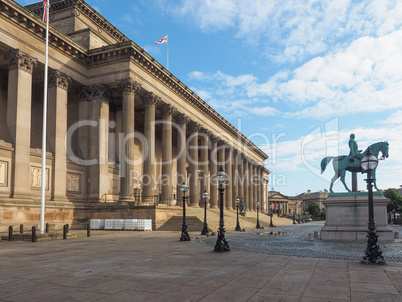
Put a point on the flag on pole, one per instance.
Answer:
(163, 40)
(44, 11)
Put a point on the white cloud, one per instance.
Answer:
(294, 30)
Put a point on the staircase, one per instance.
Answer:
(194, 224)
(195, 218)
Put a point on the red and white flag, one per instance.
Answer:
(163, 40)
(44, 14)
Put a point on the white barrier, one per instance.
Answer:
(97, 224)
(109, 224)
(121, 224)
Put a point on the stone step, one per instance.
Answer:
(194, 224)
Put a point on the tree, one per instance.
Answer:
(395, 198)
(314, 209)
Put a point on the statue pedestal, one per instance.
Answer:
(347, 217)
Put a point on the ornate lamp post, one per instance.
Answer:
(238, 228)
(258, 218)
(221, 243)
(298, 216)
(271, 207)
(294, 216)
(205, 230)
(184, 234)
(393, 212)
(373, 253)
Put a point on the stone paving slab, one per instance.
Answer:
(156, 266)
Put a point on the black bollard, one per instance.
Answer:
(47, 228)
(65, 231)
(21, 229)
(34, 234)
(10, 233)
(88, 230)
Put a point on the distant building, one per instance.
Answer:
(309, 197)
(284, 205)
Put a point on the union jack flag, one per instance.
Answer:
(44, 15)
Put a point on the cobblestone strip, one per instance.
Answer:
(292, 240)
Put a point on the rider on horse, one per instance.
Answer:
(355, 154)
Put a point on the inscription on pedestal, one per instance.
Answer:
(73, 183)
(3, 173)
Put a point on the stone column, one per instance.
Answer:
(19, 119)
(250, 187)
(262, 189)
(204, 163)
(167, 158)
(150, 100)
(235, 182)
(192, 145)
(246, 184)
(229, 183)
(126, 151)
(98, 164)
(213, 169)
(241, 176)
(181, 121)
(255, 186)
(56, 131)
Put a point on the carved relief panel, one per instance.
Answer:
(36, 178)
(73, 183)
(3, 173)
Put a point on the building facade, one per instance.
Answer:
(283, 205)
(122, 131)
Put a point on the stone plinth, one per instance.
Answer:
(347, 217)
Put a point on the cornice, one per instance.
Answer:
(21, 16)
(85, 9)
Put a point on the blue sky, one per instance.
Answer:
(296, 77)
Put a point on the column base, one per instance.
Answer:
(126, 199)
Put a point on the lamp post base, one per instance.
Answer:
(205, 230)
(221, 243)
(238, 228)
(373, 253)
(184, 235)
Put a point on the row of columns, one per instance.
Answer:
(245, 177)
(19, 97)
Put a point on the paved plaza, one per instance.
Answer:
(156, 266)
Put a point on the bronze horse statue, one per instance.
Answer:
(343, 163)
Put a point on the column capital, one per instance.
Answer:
(59, 79)
(128, 86)
(150, 99)
(205, 133)
(181, 118)
(19, 59)
(213, 138)
(166, 109)
(97, 91)
(193, 126)
(221, 142)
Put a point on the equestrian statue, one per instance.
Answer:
(352, 161)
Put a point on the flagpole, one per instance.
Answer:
(43, 179)
(167, 51)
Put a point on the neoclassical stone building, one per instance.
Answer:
(123, 132)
